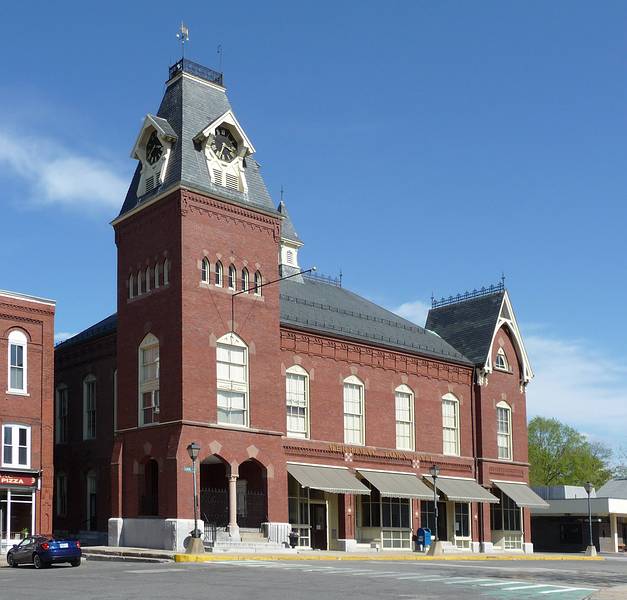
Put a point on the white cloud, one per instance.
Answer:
(413, 311)
(62, 336)
(57, 175)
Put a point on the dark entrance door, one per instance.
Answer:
(442, 522)
(318, 522)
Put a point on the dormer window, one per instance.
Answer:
(501, 361)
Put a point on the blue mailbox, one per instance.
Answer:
(424, 537)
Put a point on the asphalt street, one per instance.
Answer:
(296, 580)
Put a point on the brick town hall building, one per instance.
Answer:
(314, 408)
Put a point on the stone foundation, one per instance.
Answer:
(159, 534)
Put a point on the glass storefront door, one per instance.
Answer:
(17, 517)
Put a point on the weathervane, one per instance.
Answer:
(183, 35)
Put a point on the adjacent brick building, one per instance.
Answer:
(314, 408)
(26, 415)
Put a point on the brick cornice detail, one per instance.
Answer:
(20, 308)
(315, 345)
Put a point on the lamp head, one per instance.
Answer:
(434, 470)
(588, 487)
(193, 449)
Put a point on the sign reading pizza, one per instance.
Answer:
(15, 479)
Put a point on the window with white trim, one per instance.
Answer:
(16, 446)
(232, 372)
(18, 344)
(504, 431)
(140, 283)
(157, 275)
(61, 495)
(501, 363)
(404, 405)
(61, 415)
(204, 271)
(245, 284)
(219, 274)
(450, 425)
(149, 380)
(232, 277)
(353, 411)
(297, 402)
(258, 283)
(89, 408)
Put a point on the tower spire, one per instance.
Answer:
(183, 35)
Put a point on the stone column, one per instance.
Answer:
(233, 526)
(613, 533)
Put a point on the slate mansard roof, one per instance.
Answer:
(189, 105)
(325, 308)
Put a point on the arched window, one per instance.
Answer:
(353, 411)
(504, 431)
(297, 402)
(149, 380)
(131, 285)
(140, 283)
(258, 283)
(204, 271)
(61, 415)
(501, 362)
(245, 284)
(148, 279)
(157, 275)
(89, 408)
(404, 404)
(18, 362)
(219, 274)
(166, 272)
(232, 277)
(232, 372)
(450, 425)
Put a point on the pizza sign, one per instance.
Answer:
(16, 479)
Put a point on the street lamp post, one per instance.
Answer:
(435, 544)
(591, 549)
(195, 546)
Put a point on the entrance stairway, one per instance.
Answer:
(251, 541)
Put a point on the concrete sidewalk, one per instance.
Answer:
(613, 593)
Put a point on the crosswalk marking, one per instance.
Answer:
(526, 587)
(499, 583)
(568, 589)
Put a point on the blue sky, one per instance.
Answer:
(423, 146)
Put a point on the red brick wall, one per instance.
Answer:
(36, 320)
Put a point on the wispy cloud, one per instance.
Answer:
(413, 311)
(62, 336)
(57, 175)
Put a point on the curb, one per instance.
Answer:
(123, 558)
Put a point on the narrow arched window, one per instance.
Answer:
(258, 283)
(18, 362)
(404, 406)
(157, 275)
(149, 380)
(450, 425)
(89, 408)
(219, 276)
(166, 272)
(297, 402)
(504, 431)
(232, 375)
(501, 362)
(232, 277)
(91, 493)
(148, 278)
(131, 285)
(62, 412)
(140, 283)
(245, 284)
(353, 411)
(204, 271)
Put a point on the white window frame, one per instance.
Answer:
(157, 274)
(140, 282)
(18, 339)
(205, 270)
(258, 283)
(351, 383)
(232, 278)
(450, 399)
(502, 358)
(86, 434)
(61, 495)
(15, 445)
(405, 391)
(229, 385)
(166, 272)
(219, 274)
(148, 387)
(297, 371)
(62, 418)
(245, 280)
(503, 406)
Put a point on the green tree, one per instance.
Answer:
(560, 455)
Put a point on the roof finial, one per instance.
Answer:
(220, 57)
(183, 35)
(281, 192)
(503, 279)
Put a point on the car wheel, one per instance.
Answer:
(11, 560)
(76, 563)
(39, 564)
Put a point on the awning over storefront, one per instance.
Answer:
(463, 490)
(522, 494)
(398, 485)
(327, 479)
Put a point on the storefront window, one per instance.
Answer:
(298, 507)
(462, 520)
(505, 516)
(371, 507)
(16, 520)
(395, 512)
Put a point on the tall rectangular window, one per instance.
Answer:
(297, 404)
(89, 408)
(232, 375)
(16, 446)
(62, 416)
(149, 380)
(353, 412)
(404, 420)
(61, 495)
(450, 426)
(92, 496)
(504, 432)
(17, 362)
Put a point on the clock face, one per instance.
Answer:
(224, 145)
(154, 149)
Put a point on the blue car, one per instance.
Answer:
(41, 551)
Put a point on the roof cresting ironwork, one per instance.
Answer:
(484, 291)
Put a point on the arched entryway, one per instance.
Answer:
(214, 491)
(252, 494)
(149, 495)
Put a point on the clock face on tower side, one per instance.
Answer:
(154, 149)
(224, 145)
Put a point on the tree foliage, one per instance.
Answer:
(560, 455)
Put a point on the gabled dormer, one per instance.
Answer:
(152, 149)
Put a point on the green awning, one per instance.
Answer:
(462, 490)
(327, 479)
(398, 485)
(522, 494)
